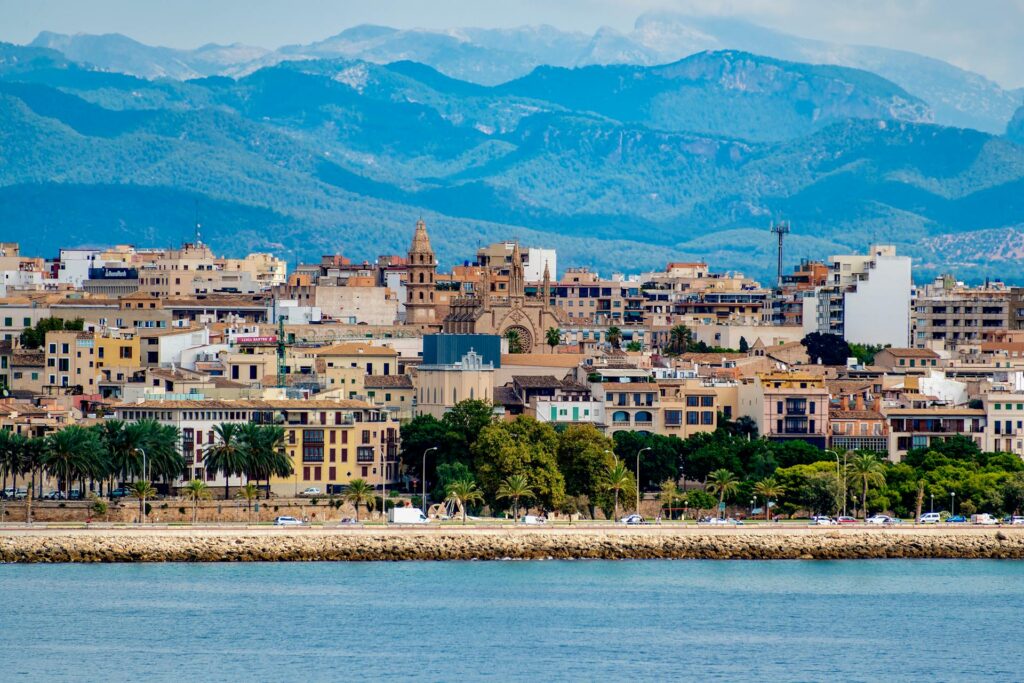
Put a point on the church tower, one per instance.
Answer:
(420, 308)
(516, 276)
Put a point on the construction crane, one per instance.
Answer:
(780, 229)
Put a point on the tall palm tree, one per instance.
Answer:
(249, 493)
(464, 492)
(195, 491)
(264, 451)
(618, 479)
(359, 492)
(553, 337)
(226, 454)
(614, 336)
(513, 488)
(724, 483)
(680, 338)
(769, 488)
(71, 453)
(870, 471)
(142, 490)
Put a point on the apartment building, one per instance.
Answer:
(329, 442)
(858, 425)
(787, 405)
(953, 314)
(921, 427)
(1004, 422)
(688, 407)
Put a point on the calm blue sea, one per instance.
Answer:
(896, 620)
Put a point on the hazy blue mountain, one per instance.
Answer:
(727, 93)
(116, 52)
(1015, 129)
(322, 156)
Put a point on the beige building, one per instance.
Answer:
(439, 387)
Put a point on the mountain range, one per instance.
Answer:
(493, 56)
(618, 166)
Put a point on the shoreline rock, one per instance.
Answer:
(96, 546)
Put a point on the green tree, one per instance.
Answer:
(263, 453)
(359, 492)
(463, 425)
(248, 493)
(680, 338)
(584, 455)
(515, 342)
(227, 454)
(614, 336)
(744, 346)
(523, 446)
(465, 493)
(830, 349)
(514, 488)
(634, 346)
(35, 337)
(419, 434)
(769, 489)
(659, 462)
(722, 483)
(868, 470)
(195, 491)
(553, 337)
(618, 479)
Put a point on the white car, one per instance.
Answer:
(930, 518)
(822, 521)
(310, 492)
(633, 519)
(533, 519)
(287, 521)
(880, 519)
(1016, 520)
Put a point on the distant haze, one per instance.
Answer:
(984, 37)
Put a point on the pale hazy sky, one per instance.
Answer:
(986, 36)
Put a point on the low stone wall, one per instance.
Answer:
(398, 544)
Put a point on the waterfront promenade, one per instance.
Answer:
(242, 544)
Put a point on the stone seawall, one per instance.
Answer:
(394, 544)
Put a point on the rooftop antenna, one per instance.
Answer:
(780, 229)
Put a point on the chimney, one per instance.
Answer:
(860, 402)
(844, 402)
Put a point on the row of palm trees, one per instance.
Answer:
(248, 450)
(866, 469)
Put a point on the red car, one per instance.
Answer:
(846, 520)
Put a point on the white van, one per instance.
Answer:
(405, 515)
(984, 518)
(929, 518)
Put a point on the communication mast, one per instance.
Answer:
(780, 229)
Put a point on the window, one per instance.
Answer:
(673, 418)
(252, 372)
(692, 401)
(364, 454)
(8, 322)
(692, 417)
(126, 352)
(707, 417)
(707, 401)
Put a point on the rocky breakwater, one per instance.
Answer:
(391, 545)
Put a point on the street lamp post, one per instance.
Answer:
(638, 477)
(145, 474)
(423, 475)
(839, 478)
(952, 503)
(933, 503)
(753, 501)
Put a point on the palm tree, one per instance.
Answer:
(513, 488)
(265, 456)
(553, 337)
(249, 493)
(142, 490)
(618, 478)
(680, 338)
(359, 492)
(515, 342)
(195, 491)
(869, 470)
(614, 336)
(724, 483)
(667, 495)
(464, 492)
(226, 454)
(71, 453)
(768, 488)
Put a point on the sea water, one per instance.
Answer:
(888, 620)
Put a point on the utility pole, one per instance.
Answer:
(780, 229)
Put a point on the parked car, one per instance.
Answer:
(53, 494)
(310, 492)
(15, 494)
(822, 521)
(533, 519)
(349, 521)
(879, 519)
(1016, 520)
(121, 492)
(846, 520)
(929, 518)
(633, 519)
(958, 519)
(984, 518)
(287, 521)
(406, 515)
(719, 521)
